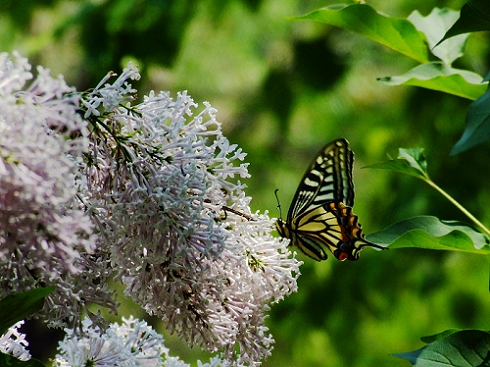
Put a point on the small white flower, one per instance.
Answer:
(13, 342)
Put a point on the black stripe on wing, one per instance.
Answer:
(329, 177)
(316, 229)
(332, 225)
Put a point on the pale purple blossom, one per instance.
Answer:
(39, 216)
(149, 194)
(45, 235)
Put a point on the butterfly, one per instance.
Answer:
(321, 212)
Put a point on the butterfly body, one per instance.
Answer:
(321, 213)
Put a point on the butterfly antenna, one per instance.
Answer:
(278, 207)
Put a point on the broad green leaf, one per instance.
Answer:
(477, 128)
(475, 17)
(434, 26)
(410, 161)
(17, 307)
(439, 336)
(432, 233)
(415, 158)
(467, 348)
(7, 360)
(440, 77)
(398, 34)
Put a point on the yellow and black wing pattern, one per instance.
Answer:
(321, 213)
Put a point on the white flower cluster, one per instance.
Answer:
(148, 194)
(132, 343)
(44, 233)
(161, 184)
(13, 342)
(38, 216)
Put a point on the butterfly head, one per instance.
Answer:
(282, 228)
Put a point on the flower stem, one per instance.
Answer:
(458, 205)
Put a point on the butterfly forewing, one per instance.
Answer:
(329, 177)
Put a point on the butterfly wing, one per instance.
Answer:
(332, 225)
(328, 178)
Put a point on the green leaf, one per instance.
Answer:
(432, 233)
(487, 77)
(6, 360)
(475, 17)
(439, 336)
(398, 34)
(467, 348)
(410, 161)
(17, 307)
(477, 128)
(434, 26)
(440, 77)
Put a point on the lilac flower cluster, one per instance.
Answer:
(45, 235)
(95, 186)
(133, 343)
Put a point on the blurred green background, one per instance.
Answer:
(283, 90)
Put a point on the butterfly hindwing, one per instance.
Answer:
(321, 212)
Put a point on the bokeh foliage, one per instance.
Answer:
(283, 90)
